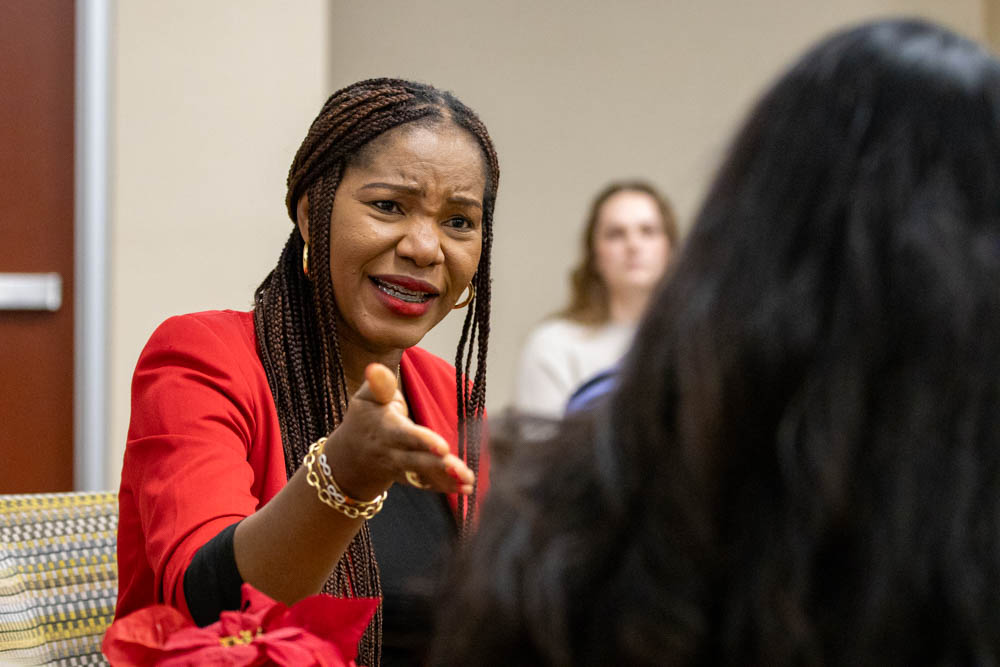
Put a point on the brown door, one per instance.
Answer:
(36, 237)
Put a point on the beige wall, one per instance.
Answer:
(214, 97)
(212, 100)
(991, 22)
(577, 93)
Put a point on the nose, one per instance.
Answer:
(421, 242)
(633, 240)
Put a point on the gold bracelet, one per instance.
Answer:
(328, 491)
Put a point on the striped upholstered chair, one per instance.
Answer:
(58, 577)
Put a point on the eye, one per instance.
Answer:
(386, 206)
(459, 222)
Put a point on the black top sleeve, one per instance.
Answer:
(212, 583)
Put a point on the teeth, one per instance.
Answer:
(402, 293)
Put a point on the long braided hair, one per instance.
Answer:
(295, 316)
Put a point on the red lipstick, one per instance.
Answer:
(403, 295)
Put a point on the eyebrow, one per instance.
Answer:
(412, 190)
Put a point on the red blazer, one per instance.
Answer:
(204, 446)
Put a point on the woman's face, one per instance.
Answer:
(406, 233)
(631, 248)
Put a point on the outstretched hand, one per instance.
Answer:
(378, 443)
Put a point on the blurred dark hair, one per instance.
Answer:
(801, 464)
(589, 298)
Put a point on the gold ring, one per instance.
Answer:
(414, 480)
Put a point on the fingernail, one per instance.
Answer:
(458, 476)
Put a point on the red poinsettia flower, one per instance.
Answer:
(319, 630)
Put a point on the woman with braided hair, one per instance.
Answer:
(308, 445)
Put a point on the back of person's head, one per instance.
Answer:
(801, 464)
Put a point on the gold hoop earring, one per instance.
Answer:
(305, 259)
(472, 295)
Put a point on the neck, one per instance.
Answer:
(356, 358)
(627, 306)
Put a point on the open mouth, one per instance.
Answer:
(403, 293)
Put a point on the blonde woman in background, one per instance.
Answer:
(627, 242)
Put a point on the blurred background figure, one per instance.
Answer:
(627, 242)
(801, 462)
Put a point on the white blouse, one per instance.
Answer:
(558, 356)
